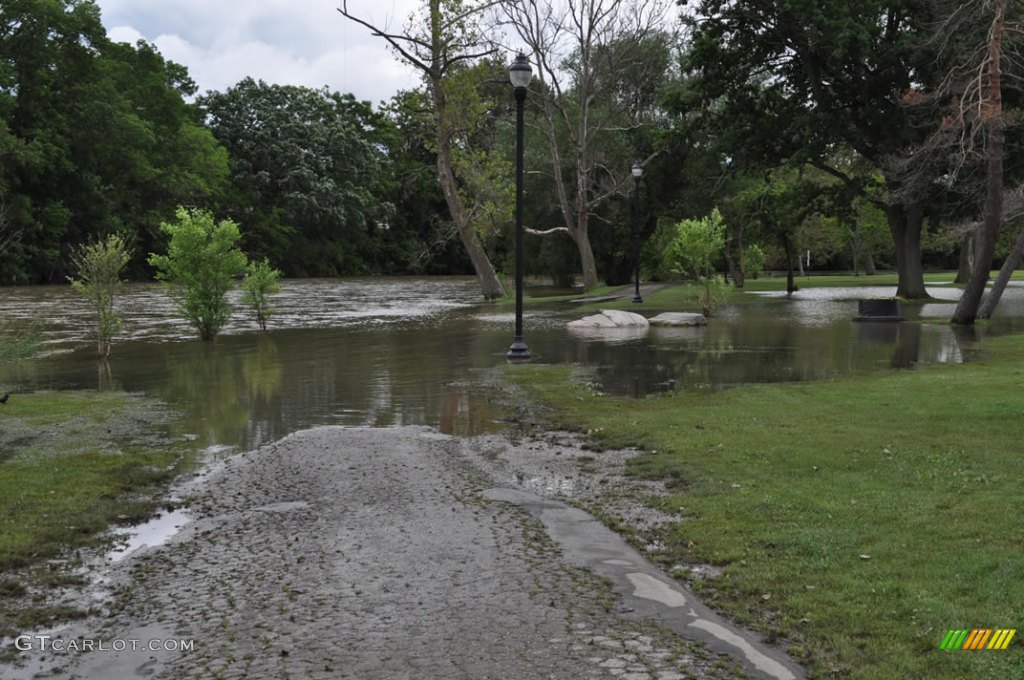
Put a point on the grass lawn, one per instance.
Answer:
(71, 465)
(837, 280)
(856, 521)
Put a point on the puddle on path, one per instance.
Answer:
(156, 531)
(164, 526)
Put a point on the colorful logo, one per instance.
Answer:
(979, 638)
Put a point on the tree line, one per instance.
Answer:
(863, 134)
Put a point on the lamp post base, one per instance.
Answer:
(637, 298)
(518, 350)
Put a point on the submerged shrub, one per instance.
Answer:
(200, 265)
(99, 266)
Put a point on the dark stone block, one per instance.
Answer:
(882, 309)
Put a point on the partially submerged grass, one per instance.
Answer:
(684, 297)
(73, 467)
(778, 283)
(857, 520)
(74, 463)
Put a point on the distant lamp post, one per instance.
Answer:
(519, 72)
(638, 173)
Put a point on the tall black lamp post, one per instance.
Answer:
(519, 72)
(638, 173)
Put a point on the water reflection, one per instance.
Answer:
(388, 352)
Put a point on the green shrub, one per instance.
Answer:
(99, 266)
(200, 265)
(753, 261)
(693, 252)
(261, 280)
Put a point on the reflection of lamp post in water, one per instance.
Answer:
(519, 72)
(638, 172)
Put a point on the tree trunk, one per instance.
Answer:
(991, 299)
(963, 272)
(581, 232)
(992, 119)
(490, 285)
(905, 224)
(869, 263)
(444, 50)
(788, 249)
(737, 266)
(582, 239)
(855, 245)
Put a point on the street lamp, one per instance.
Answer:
(519, 72)
(638, 173)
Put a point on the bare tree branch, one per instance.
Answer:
(433, 47)
(577, 45)
(396, 40)
(545, 232)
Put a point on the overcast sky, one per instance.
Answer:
(294, 42)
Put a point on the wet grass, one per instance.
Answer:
(856, 520)
(73, 465)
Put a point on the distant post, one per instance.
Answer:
(638, 173)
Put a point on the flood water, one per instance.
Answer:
(400, 351)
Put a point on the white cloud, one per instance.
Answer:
(295, 42)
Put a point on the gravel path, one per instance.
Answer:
(368, 553)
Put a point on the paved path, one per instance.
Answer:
(362, 553)
(624, 292)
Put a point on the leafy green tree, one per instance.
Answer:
(95, 137)
(478, 115)
(693, 252)
(478, 111)
(47, 53)
(200, 265)
(260, 282)
(753, 260)
(779, 203)
(175, 160)
(419, 237)
(792, 80)
(305, 171)
(99, 266)
(446, 36)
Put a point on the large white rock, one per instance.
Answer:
(679, 319)
(611, 318)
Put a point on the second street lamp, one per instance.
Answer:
(638, 173)
(519, 72)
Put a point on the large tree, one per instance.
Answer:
(978, 46)
(796, 80)
(305, 167)
(95, 137)
(418, 238)
(594, 82)
(445, 37)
